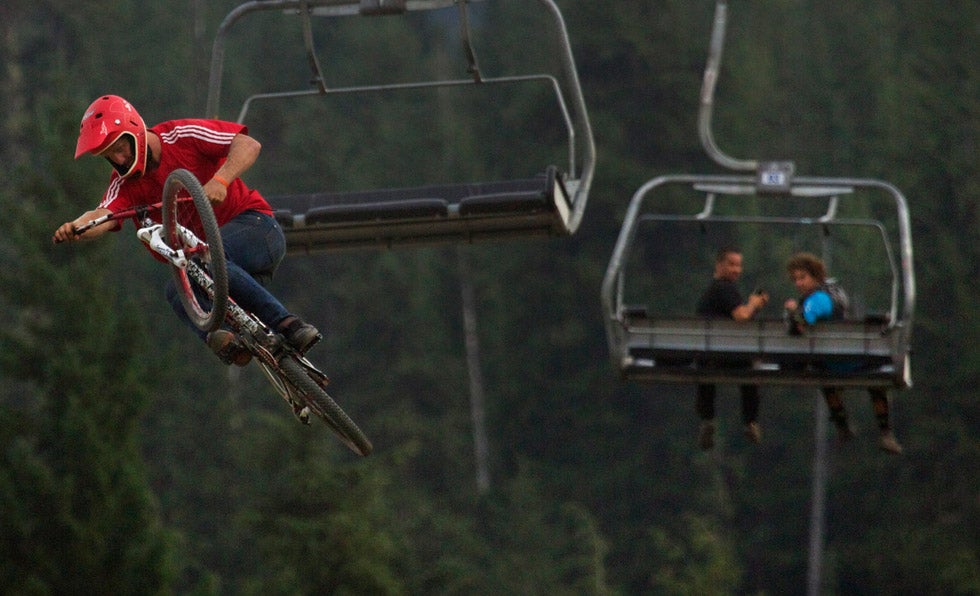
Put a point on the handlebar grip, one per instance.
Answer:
(79, 230)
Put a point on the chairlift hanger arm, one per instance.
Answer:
(464, 34)
(304, 11)
(711, 71)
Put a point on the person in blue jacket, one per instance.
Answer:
(809, 275)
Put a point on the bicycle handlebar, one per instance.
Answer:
(79, 230)
(142, 209)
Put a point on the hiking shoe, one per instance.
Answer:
(753, 432)
(301, 336)
(889, 443)
(706, 435)
(228, 347)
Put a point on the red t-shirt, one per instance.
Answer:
(197, 145)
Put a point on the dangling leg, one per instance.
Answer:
(706, 412)
(879, 402)
(750, 412)
(835, 403)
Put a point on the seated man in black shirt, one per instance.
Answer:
(722, 299)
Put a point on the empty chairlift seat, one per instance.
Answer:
(425, 214)
(546, 201)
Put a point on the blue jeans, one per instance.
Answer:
(254, 246)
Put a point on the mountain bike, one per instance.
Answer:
(189, 240)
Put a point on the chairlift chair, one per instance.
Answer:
(647, 345)
(550, 201)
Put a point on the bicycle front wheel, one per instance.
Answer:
(325, 407)
(189, 225)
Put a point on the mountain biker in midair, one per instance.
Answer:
(217, 153)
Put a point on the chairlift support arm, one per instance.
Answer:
(711, 71)
(776, 176)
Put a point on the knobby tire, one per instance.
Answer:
(325, 407)
(196, 215)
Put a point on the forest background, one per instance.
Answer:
(131, 461)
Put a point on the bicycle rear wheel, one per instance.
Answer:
(325, 407)
(187, 208)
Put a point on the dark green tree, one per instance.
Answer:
(78, 513)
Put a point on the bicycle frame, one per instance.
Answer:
(261, 341)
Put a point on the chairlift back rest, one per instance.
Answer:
(426, 214)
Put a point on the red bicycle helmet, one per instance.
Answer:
(105, 121)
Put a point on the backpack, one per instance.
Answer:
(838, 295)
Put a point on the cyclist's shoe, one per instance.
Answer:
(300, 335)
(228, 347)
